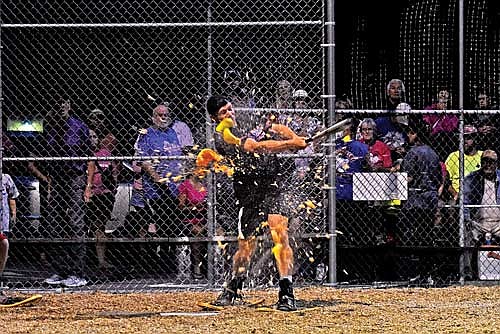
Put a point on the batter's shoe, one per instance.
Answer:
(230, 293)
(286, 299)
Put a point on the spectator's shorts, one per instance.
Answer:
(3, 236)
(256, 200)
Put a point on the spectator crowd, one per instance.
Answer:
(168, 199)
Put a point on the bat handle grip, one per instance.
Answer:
(308, 140)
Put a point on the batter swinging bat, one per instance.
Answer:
(334, 128)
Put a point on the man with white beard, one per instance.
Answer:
(164, 138)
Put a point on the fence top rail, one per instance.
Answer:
(417, 111)
(282, 110)
(92, 158)
(372, 111)
(142, 158)
(158, 24)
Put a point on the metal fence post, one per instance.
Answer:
(330, 87)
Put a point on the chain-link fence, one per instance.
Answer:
(101, 100)
(401, 212)
(86, 87)
(420, 44)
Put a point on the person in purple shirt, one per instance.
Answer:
(68, 187)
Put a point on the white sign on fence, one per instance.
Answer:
(488, 267)
(380, 186)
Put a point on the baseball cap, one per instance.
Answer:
(300, 93)
(469, 130)
(489, 154)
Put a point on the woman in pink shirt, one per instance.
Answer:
(442, 126)
(102, 196)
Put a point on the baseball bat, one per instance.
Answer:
(334, 128)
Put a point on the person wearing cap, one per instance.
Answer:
(472, 160)
(256, 186)
(481, 187)
(300, 97)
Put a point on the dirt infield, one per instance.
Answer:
(447, 310)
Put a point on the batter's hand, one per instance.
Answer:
(299, 142)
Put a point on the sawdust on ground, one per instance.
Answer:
(446, 310)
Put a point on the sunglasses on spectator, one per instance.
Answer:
(366, 129)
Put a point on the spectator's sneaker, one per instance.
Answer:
(230, 293)
(54, 280)
(74, 282)
(286, 299)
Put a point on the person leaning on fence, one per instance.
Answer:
(165, 137)
(256, 187)
(68, 187)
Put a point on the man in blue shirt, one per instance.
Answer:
(165, 138)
